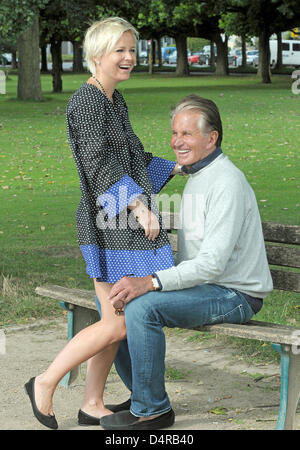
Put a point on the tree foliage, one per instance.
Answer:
(16, 19)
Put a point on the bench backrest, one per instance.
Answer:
(282, 246)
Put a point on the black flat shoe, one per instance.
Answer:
(125, 406)
(49, 421)
(124, 420)
(85, 419)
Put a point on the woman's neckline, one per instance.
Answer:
(104, 95)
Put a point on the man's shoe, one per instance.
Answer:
(85, 419)
(121, 407)
(124, 420)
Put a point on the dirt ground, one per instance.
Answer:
(218, 390)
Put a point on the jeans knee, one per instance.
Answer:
(142, 309)
(136, 309)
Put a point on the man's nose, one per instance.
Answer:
(178, 142)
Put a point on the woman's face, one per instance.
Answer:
(117, 65)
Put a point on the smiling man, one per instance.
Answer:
(222, 273)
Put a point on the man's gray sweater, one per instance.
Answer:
(220, 240)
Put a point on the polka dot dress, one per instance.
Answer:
(113, 170)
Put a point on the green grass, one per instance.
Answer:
(39, 184)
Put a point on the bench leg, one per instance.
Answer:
(290, 386)
(72, 374)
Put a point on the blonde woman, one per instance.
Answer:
(119, 227)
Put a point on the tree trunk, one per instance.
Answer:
(150, 71)
(44, 67)
(154, 51)
(14, 63)
(222, 56)
(77, 57)
(55, 48)
(137, 56)
(29, 82)
(264, 57)
(159, 52)
(182, 68)
(244, 55)
(279, 52)
(212, 59)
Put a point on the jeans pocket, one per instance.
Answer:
(236, 315)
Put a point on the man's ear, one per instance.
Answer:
(213, 137)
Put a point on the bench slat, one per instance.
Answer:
(283, 256)
(277, 232)
(277, 255)
(262, 331)
(286, 281)
(273, 232)
(80, 297)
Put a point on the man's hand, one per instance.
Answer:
(129, 288)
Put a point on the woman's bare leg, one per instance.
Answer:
(98, 367)
(97, 371)
(84, 345)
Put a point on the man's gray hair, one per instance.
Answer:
(209, 119)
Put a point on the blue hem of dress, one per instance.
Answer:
(111, 265)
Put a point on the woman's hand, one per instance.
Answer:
(146, 219)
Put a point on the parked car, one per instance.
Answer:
(290, 53)
(166, 53)
(255, 61)
(250, 54)
(197, 58)
(206, 50)
(143, 57)
(173, 58)
(3, 61)
(8, 57)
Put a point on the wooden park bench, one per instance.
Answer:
(282, 244)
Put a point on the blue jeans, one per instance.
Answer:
(140, 361)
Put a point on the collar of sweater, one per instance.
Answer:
(203, 162)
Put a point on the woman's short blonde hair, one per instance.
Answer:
(102, 36)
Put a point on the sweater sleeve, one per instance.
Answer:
(223, 219)
(111, 186)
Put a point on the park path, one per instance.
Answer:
(210, 386)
